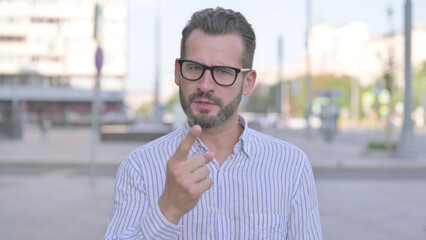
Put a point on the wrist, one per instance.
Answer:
(168, 211)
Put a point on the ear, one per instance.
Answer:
(177, 72)
(249, 81)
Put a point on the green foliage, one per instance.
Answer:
(363, 89)
(262, 99)
(381, 145)
(298, 102)
(419, 86)
(341, 84)
(172, 101)
(145, 109)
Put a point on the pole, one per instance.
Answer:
(406, 148)
(157, 70)
(95, 127)
(284, 85)
(96, 101)
(389, 80)
(279, 105)
(157, 111)
(308, 72)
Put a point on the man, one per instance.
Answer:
(215, 178)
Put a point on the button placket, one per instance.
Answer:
(221, 200)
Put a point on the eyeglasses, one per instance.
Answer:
(222, 75)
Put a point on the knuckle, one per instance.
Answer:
(204, 172)
(184, 182)
(193, 193)
(178, 174)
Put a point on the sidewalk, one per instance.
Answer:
(62, 203)
(71, 146)
(62, 146)
(348, 151)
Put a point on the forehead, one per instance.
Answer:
(224, 49)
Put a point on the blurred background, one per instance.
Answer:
(83, 83)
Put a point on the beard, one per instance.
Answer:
(203, 118)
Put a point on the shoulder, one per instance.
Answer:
(263, 142)
(276, 151)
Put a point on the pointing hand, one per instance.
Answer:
(186, 179)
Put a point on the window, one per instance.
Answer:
(9, 38)
(38, 58)
(44, 20)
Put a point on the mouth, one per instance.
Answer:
(204, 104)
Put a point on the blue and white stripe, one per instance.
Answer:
(265, 190)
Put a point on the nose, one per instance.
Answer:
(206, 83)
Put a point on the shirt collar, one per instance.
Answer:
(245, 137)
(243, 144)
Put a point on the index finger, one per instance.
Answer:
(185, 145)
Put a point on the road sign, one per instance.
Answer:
(328, 93)
(99, 58)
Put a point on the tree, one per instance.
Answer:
(262, 99)
(342, 84)
(420, 86)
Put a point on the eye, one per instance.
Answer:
(193, 67)
(225, 71)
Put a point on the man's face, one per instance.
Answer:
(205, 117)
(204, 101)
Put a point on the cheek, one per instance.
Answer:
(229, 96)
(185, 90)
(188, 87)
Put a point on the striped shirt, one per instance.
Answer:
(264, 190)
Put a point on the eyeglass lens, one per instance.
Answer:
(194, 71)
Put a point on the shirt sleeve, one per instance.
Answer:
(133, 216)
(304, 222)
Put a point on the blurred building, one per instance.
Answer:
(47, 65)
(351, 50)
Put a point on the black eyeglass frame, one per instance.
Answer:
(212, 68)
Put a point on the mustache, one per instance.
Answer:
(207, 96)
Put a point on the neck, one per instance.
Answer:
(222, 139)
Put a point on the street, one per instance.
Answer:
(373, 205)
(46, 191)
(63, 203)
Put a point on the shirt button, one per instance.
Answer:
(222, 211)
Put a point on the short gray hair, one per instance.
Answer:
(221, 21)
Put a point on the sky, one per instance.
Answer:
(270, 19)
